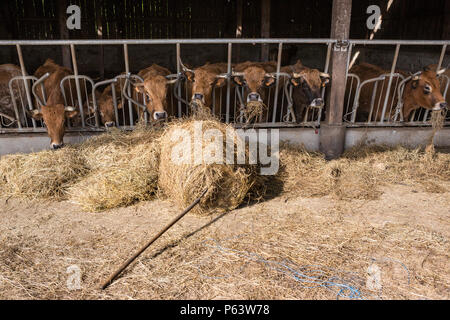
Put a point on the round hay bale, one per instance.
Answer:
(184, 181)
(124, 170)
(45, 174)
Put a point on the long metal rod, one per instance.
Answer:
(441, 58)
(178, 53)
(219, 41)
(127, 71)
(227, 116)
(77, 83)
(139, 252)
(25, 82)
(388, 90)
(275, 102)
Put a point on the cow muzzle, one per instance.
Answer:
(160, 115)
(56, 146)
(440, 106)
(317, 103)
(254, 97)
(109, 124)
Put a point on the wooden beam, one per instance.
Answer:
(340, 27)
(332, 132)
(237, 47)
(64, 32)
(265, 28)
(446, 22)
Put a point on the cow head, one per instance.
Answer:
(423, 90)
(155, 88)
(54, 119)
(310, 81)
(105, 105)
(255, 79)
(204, 79)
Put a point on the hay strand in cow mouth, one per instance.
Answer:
(437, 123)
(227, 184)
(254, 110)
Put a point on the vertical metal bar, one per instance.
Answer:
(388, 91)
(327, 66)
(25, 82)
(114, 99)
(77, 83)
(179, 73)
(127, 71)
(16, 110)
(227, 116)
(441, 58)
(275, 102)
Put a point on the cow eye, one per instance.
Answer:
(427, 89)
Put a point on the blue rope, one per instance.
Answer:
(310, 276)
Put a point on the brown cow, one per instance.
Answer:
(203, 80)
(7, 72)
(105, 103)
(422, 90)
(155, 87)
(307, 84)
(255, 77)
(54, 112)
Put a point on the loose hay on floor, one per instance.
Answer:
(41, 175)
(124, 170)
(361, 171)
(227, 184)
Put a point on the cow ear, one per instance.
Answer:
(238, 80)
(296, 81)
(268, 81)
(139, 88)
(120, 104)
(189, 75)
(70, 112)
(414, 84)
(325, 81)
(220, 82)
(36, 114)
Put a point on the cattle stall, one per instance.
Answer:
(279, 104)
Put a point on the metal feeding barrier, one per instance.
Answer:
(83, 92)
(386, 98)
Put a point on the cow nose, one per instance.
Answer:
(318, 102)
(56, 146)
(160, 115)
(109, 124)
(253, 96)
(198, 96)
(443, 105)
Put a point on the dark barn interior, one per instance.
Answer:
(169, 19)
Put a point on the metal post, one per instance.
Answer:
(179, 73)
(280, 50)
(77, 83)
(127, 71)
(394, 64)
(325, 70)
(25, 82)
(332, 133)
(227, 116)
(441, 58)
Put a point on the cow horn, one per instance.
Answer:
(324, 75)
(416, 76)
(139, 84)
(440, 72)
(222, 76)
(296, 74)
(237, 74)
(171, 81)
(185, 69)
(69, 109)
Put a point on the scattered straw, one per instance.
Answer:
(45, 174)
(437, 123)
(124, 170)
(361, 171)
